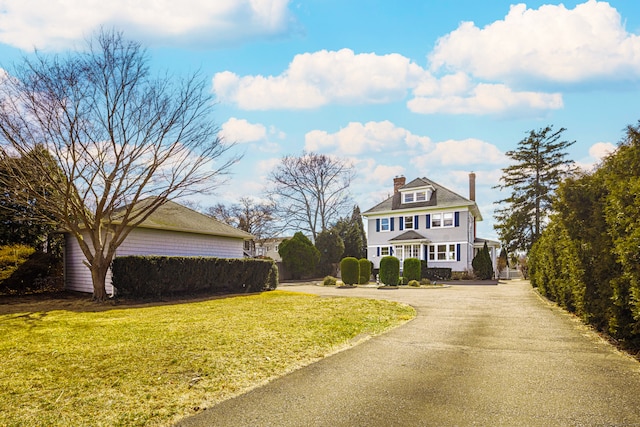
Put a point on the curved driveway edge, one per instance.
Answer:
(474, 355)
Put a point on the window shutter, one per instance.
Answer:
(390, 250)
(401, 221)
(378, 224)
(428, 221)
(391, 223)
(458, 251)
(415, 222)
(378, 250)
(457, 219)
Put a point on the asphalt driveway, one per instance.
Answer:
(474, 355)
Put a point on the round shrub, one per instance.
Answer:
(329, 281)
(412, 269)
(414, 283)
(365, 271)
(350, 269)
(390, 270)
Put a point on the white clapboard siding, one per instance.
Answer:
(143, 241)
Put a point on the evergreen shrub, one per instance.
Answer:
(482, 265)
(390, 270)
(414, 283)
(350, 270)
(365, 271)
(411, 269)
(158, 276)
(329, 281)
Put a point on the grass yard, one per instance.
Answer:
(154, 365)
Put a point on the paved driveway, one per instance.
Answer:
(474, 355)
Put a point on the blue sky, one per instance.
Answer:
(413, 88)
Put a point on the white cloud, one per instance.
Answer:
(54, 24)
(551, 43)
(597, 152)
(241, 131)
(600, 150)
(359, 138)
(384, 174)
(316, 79)
(484, 99)
(466, 152)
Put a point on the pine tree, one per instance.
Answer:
(351, 230)
(539, 165)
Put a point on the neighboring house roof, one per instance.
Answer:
(479, 241)
(442, 198)
(172, 216)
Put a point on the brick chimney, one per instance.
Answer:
(472, 186)
(398, 182)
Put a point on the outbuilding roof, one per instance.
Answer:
(172, 216)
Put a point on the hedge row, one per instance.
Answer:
(588, 257)
(157, 276)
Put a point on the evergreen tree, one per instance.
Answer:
(331, 248)
(299, 256)
(539, 165)
(351, 230)
(482, 265)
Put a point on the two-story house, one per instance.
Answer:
(425, 220)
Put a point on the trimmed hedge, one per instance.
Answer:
(390, 270)
(365, 271)
(350, 270)
(411, 269)
(157, 276)
(435, 273)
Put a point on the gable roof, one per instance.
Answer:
(408, 235)
(442, 198)
(172, 216)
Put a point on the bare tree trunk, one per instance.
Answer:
(99, 277)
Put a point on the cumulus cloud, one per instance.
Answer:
(597, 152)
(54, 24)
(468, 152)
(600, 150)
(551, 43)
(359, 138)
(316, 79)
(241, 131)
(483, 99)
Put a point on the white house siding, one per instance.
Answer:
(143, 241)
(462, 235)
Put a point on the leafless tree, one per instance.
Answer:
(249, 215)
(118, 135)
(311, 191)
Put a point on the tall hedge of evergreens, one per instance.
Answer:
(588, 258)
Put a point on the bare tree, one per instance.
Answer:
(249, 215)
(311, 191)
(117, 135)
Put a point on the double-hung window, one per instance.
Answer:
(443, 252)
(384, 224)
(384, 251)
(408, 223)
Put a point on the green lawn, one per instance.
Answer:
(154, 365)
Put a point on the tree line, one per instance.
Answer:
(588, 257)
(579, 230)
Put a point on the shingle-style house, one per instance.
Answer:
(425, 220)
(172, 230)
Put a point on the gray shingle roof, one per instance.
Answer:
(441, 198)
(172, 216)
(409, 235)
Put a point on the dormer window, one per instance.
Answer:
(416, 196)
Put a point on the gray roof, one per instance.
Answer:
(172, 216)
(409, 235)
(441, 198)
